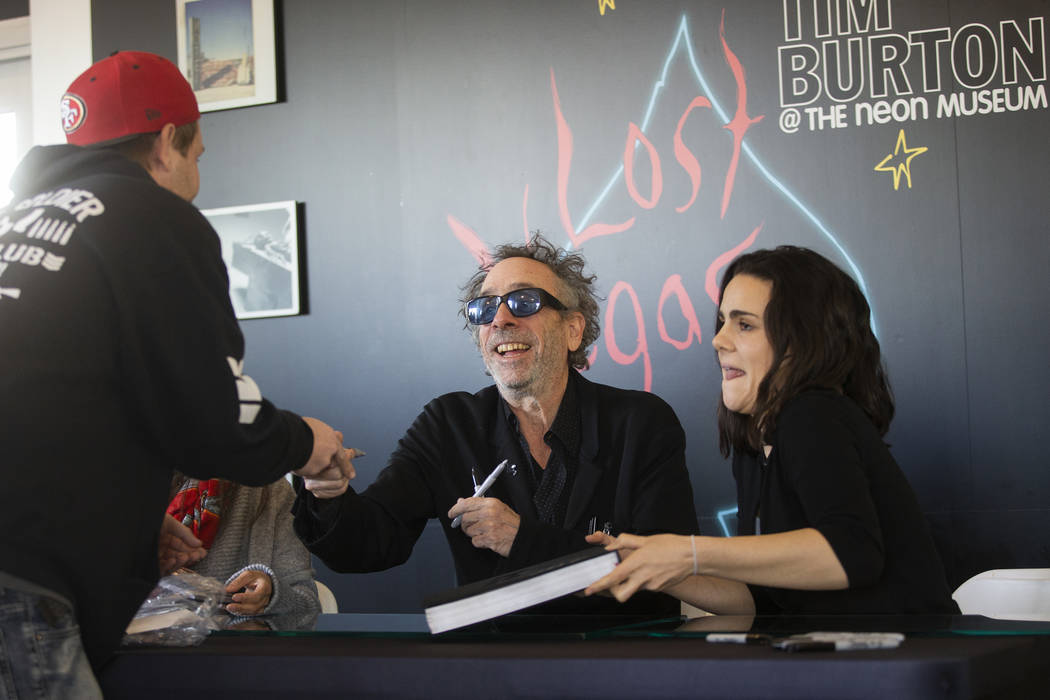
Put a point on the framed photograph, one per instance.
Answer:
(227, 50)
(260, 246)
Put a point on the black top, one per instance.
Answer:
(829, 469)
(630, 473)
(121, 360)
(552, 484)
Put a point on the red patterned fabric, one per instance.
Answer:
(196, 506)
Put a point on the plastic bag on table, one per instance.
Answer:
(178, 612)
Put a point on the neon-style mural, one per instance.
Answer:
(737, 125)
(723, 523)
(683, 43)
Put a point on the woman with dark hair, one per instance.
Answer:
(828, 523)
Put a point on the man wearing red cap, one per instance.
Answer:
(120, 360)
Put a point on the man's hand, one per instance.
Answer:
(334, 479)
(177, 546)
(328, 451)
(255, 596)
(488, 522)
(330, 468)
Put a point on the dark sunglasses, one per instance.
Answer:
(520, 302)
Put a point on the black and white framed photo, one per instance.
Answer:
(260, 246)
(227, 51)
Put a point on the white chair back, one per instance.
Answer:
(1006, 594)
(327, 598)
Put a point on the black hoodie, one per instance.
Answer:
(120, 359)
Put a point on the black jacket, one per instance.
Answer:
(631, 474)
(119, 361)
(830, 470)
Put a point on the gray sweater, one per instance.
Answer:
(266, 543)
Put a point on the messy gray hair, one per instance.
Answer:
(577, 292)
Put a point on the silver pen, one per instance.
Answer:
(480, 491)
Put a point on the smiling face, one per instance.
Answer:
(744, 351)
(527, 356)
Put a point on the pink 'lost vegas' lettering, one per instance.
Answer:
(711, 277)
(470, 240)
(673, 285)
(740, 122)
(635, 134)
(684, 156)
(738, 126)
(642, 347)
(564, 166)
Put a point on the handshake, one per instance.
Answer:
(326, 474)
(330, 468)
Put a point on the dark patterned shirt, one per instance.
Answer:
(551, 486)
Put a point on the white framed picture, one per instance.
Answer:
(227, 51)
(260, 246)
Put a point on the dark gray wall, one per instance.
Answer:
(401, 115)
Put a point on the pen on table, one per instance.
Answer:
(480, 491)
(739, 638)
(840, 641)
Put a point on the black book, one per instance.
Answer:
(515, 590)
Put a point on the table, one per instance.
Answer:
(369, 656)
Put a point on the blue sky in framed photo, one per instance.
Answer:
(226, 27)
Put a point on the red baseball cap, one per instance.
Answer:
(128, 93)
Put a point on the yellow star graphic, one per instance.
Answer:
(904, 166)
(602, 4)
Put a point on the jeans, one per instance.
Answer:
(41, 655)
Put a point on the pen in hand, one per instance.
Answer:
(480, 491)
